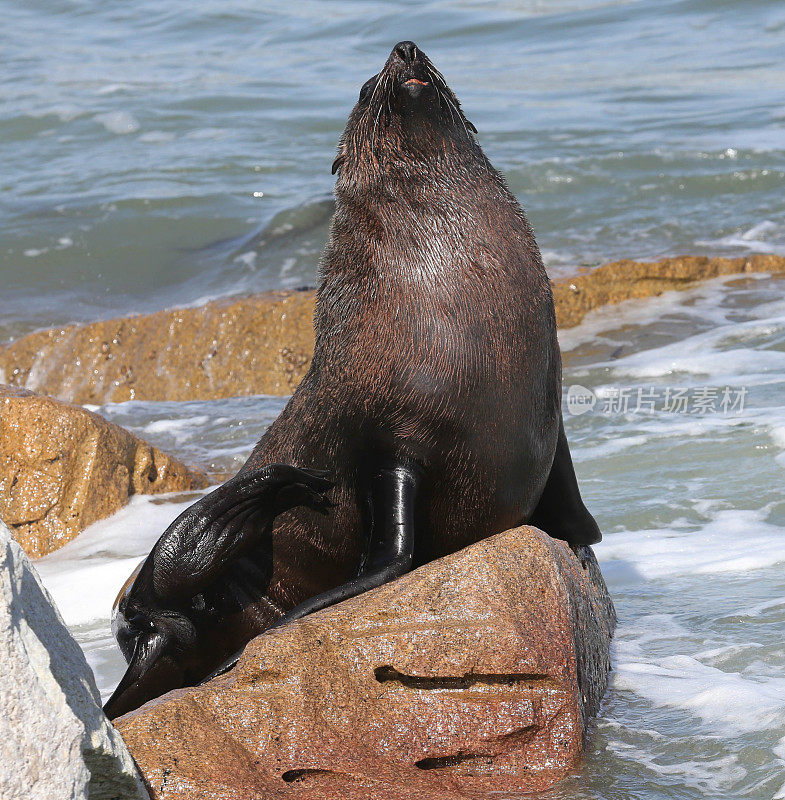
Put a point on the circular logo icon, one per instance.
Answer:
(580, 399)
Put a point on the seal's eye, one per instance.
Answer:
(365, 92)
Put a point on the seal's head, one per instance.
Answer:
(406, 113)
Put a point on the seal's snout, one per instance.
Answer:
(409, 65)
(406, 51)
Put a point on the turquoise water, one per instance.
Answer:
(163, 154)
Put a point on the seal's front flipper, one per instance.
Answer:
(393, 494)
(210, 534)
(560, 511)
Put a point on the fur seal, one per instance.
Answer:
(432, 403)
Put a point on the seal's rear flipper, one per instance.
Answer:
(560, 511)
(151, 617)
(393, 493)
(199, 545)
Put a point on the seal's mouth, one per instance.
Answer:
(410, 90)
(415, 86)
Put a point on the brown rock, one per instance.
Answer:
(263, 344)
(62, 467)
(627, 280)
(473, 675)
(251, 345)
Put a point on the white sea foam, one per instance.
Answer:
(724, 336)
(112, 88)
(710, 776)
(734, 540)
(247, 259)
(766, 236)
(759, 609)
(695, 361)
(119, 122)
(701, 301)
(610, 447)
(181, 429)
(644, 427)
(729, 702)
(64, 112)
(85, 575)
(156, 137)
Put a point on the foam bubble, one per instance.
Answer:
(119, 122)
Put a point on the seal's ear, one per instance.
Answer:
(337, 163)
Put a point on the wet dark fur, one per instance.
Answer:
(435, 343)
(435, 339)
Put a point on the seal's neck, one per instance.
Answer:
(389, 161)
(427, 226)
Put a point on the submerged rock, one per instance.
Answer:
(472, 677)
(63, 467)
(55, 742)
(263, 344)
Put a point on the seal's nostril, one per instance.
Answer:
(406, 51)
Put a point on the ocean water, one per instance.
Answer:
(158, 155)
